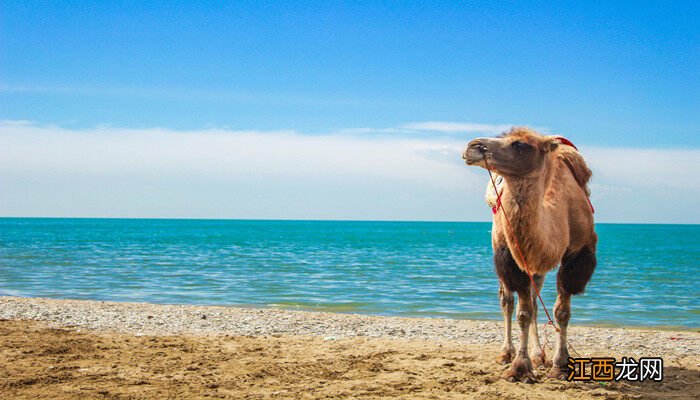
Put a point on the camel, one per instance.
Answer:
(543, 189)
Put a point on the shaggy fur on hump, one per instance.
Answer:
(577, 165)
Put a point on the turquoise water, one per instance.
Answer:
(647, 275)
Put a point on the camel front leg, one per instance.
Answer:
(536, 354)
(562, 313)
(521, 369)
(507, 304)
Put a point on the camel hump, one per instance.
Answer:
(577, 165)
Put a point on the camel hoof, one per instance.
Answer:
(505, 358)
(520, 371)
(540, 360)
(557, 373)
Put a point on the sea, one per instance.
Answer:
(647, 275)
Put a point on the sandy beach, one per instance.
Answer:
(88, 349)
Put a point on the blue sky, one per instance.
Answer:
(609, 75)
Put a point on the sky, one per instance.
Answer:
(338, 110)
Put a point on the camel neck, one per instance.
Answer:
(524, 197)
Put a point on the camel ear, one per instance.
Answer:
(550, 144)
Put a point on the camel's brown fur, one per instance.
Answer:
(544, 194)
(577, 165)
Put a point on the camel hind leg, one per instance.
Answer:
(575, 272)
(536, 354)
(562, 313)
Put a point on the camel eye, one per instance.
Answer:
(520, 146)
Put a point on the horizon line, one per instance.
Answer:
(320, 220)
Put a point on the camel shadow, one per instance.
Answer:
(677, 383)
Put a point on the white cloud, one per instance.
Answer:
(645, 185)
(456, 127)
(216, 173)
(648, 168)
(15, 122)
(224, 173)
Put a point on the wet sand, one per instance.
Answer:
(64, 349)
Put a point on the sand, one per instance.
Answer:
(63, 349)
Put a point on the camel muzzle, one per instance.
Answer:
(475, 152)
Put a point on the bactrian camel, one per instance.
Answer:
(543, 189)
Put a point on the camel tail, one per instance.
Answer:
(577, 165)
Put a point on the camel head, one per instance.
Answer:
(519, 152)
